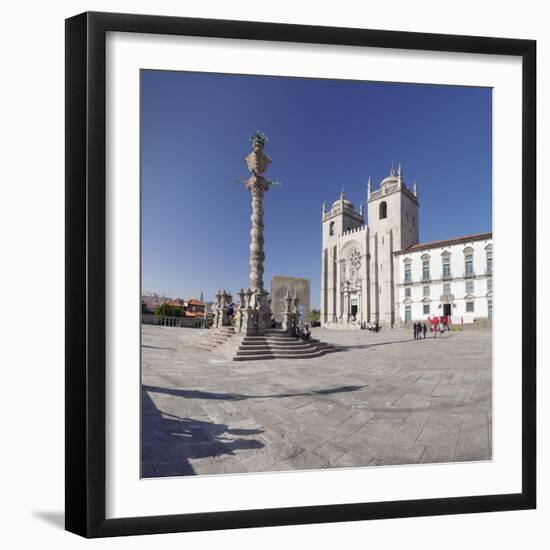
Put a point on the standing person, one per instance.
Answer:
(424, 330)
(414, 331)
(441, 327)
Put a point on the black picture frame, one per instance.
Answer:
(86, 273)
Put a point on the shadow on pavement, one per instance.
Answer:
(199, 394)
(168, 441)
(344, 347)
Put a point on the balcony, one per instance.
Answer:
(426, 279)
(447, 298)
(469, 274)
(447, 276)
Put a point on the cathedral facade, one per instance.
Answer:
(379, 273)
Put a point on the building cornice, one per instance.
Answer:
(444, 243)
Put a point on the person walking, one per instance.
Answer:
(424, 330)
(441, 327)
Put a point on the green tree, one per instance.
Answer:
(314, 316)
(167, 310)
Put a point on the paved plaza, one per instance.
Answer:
(381, 399)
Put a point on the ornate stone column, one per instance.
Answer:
(257, 162)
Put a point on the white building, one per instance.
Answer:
(380, 273)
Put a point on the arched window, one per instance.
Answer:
(446, 259)
(489, 252)
(383, 210)
(425, 267)
(331, 228)
(469, 262)
(407, 272)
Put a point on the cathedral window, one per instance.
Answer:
(383, 210)
(331, 228)
(355, 259)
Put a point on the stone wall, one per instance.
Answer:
(188, 322)
(294, 285)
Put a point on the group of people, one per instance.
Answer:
(440, 325)
(419, 330)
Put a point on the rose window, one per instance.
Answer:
(355, 259)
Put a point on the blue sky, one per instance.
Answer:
(323, 135)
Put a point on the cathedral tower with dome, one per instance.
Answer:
(358, 259)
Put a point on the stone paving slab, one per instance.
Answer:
(382, 399)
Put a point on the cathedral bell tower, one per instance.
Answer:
(393, 224)
(341, 218)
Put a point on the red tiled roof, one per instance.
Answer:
(194, 313)
(177, 303)
(446, 242)
(195, 302)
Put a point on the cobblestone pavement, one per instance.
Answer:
(383, 399)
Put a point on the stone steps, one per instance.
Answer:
(275, 344)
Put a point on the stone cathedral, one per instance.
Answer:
(359, 276)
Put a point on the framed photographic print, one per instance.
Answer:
(300, 274)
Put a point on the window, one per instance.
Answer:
(490, 309)
(426, 309)
(469, 307)
(469, 264)
(489, 263)
(446, 267)
(489, 284)
(408, 292)
(331, 228)
(425, 270)
(446, 288)
(383, 210)
(425, 291)
(407, 273)
(355, 258)
(469, 287)
(408, 315)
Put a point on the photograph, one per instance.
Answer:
(316, 273)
